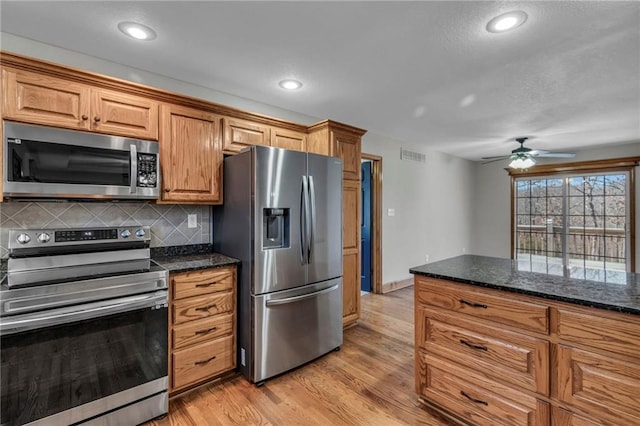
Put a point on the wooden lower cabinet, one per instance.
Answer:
(202, 333)
(599, 384)
(476, 398)
(498, 358)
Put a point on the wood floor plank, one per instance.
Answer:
(368, 382)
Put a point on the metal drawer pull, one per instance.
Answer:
(206, 361)
(207, 284)
(206, 308)
(477, 401)
(473, 305)
(472, 346)
(208, 330)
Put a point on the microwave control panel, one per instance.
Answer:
(147, 170)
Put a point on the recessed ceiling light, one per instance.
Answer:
(290, 84)
(506, 21)
(137, 31)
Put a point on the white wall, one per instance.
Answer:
(432, 202)
(492, 219)
(46, 52)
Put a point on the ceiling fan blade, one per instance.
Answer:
(494, 159)
(497, 157)
(537, 152)
(557, 155)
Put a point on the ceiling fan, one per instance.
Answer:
(523, 157)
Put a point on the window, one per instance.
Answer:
(576, 223)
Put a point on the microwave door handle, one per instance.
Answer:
(134, 169)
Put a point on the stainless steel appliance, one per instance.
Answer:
(282, 217)
(83, 328)
(47, 162)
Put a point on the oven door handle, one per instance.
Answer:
(35, 320)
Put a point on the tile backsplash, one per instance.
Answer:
(168, 222)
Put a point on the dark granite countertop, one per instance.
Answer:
(616, 291)
(190, 258)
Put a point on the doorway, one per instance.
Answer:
(371, 224)
(365, 227)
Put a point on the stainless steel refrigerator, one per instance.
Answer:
(282, 217)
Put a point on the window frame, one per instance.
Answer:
(627, 164)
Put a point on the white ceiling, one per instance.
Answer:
(426, 73)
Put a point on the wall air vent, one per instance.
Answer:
(405, 154)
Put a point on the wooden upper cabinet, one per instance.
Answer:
(123, 114)
(240, 134)
(41, 99)
(190, 155)
(338, 140)
(347, 146)
(288, 139)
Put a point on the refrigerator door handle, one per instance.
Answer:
(301, 297)
(312, 218)
(303, 221)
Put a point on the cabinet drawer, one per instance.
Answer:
(493, 306)
(598, 384)
(563, 417)
(201, 307)
(513, 357)
(202, 282)
(202, 330)
(199, 362)
(476, 399)
(619, 336)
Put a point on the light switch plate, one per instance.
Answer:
(192, 221)
(391, 212)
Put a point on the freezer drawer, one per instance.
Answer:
(295, 326)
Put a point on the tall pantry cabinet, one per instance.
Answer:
(343, 141)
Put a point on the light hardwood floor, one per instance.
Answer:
(368, 382)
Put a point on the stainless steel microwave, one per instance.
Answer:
(46, 162)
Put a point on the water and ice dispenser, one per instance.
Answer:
(275, 228)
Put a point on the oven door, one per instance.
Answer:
(49, 162)
(67, 365)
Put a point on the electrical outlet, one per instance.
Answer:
(192, 221)
(391, 212)
(426, 258)
(464, 250)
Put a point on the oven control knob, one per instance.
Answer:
(44, 238)
(23, 238)
(125, 234)
(140, 233)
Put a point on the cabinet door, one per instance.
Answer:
(598, 384)
(240, 134)
(40, 99)
(122, 114)
(190, 156)
(351, 251)
(288, 139)
(347, 147)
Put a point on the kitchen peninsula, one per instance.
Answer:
(499, 344)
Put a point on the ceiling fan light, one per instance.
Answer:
(521, 162)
